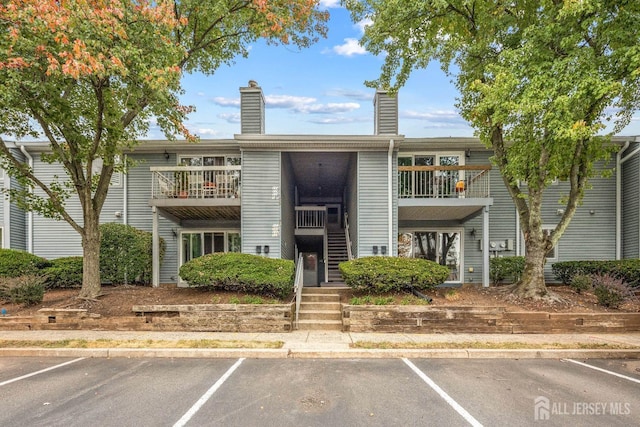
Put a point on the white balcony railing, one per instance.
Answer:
(443, 181)
(310, 216)
(196, 182)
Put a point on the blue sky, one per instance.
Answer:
(320, 90)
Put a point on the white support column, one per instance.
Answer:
(485, 246)
(155, 255)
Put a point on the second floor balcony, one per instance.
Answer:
(196, 182)
(443, 181)
(197, 192)
(442, 193)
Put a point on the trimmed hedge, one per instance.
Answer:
(241, 272)
(64, 273)
(126, 254)
(506, 268)
(388, 274)
(627, 270)
(14, 263)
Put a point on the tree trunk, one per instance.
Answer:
(531, 284)
(91, 286)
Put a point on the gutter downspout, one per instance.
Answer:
(125, 192)
(390, 168)
(30, 213)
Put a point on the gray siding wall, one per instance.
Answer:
(251, 111)
(12, 219)
(589, 236)
(139, 213)
(288, 210)
(386, 114)
(54, 239)
(261, 194)
(373, 203)
(631, 205)
(352, 203)
(17, 223)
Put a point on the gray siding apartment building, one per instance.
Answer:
(331, 198)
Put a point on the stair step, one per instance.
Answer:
(317, 305)
(321, 298)
(320, 315)
(320, 325)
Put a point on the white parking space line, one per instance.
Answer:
(41, 371)
(459, 409)
(196, 407)
(635, 380)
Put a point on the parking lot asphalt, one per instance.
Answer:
(326, 344)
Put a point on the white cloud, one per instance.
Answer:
(287, 101)
(338, 120)
(328, 4)
(207, 131)
(436, 118)
(226, 102)
(230, 117)
(349, 48)
(364, 23)
(360, 95)
(330, 108)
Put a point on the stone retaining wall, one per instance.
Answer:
(426, 319)
(199, 317)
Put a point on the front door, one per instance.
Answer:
(333, 217)
(310, 269)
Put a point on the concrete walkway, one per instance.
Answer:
(321, 344)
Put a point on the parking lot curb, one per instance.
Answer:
(323, 354)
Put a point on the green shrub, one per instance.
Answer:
(581, 282)
(126, 254)
(15, 263)
(627, 270)
(610, 291)
(389, 274)
(64, 273)
(23, 290)
(506, 268)
(241, 272)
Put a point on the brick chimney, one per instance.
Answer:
(385, 109)
(251, 109)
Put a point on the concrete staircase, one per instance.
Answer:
(336, 253)
(320, 310)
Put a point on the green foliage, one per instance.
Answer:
(388, 274)
(64, 273)
(15, 263)
(252, 299)
(241, 272)
(126, 254)
(627, 269)
(581, 282)
(610, 291)
(554, 79)
(506, 268)
(23, 290)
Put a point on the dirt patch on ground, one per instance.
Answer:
(119, 300)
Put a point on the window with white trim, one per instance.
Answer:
(194, 244)
(440, 245)
(421, 183)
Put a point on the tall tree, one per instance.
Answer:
(89, 75)
(538, 80)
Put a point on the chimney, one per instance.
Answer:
(251, 109)
(385, 109)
